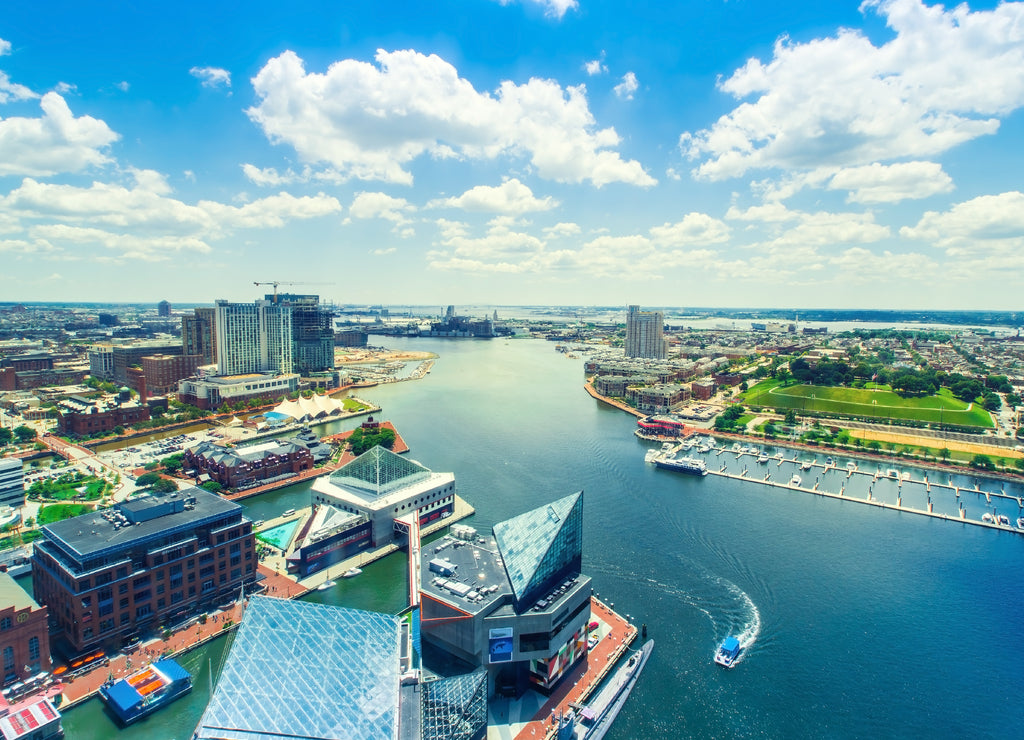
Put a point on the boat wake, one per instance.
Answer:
(751, 629)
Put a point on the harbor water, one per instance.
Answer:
(858, 621)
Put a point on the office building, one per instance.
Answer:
(12, 482)
(645, 334)
(253, 338)
(300, 670)
(312, 333)
(213, 391)
(198, 335)
(162, 372)
(514, 603)
(163, 309)
(155, 559)
(24, 638)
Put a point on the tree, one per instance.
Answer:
(982, 461)
(24, 434)
(944, 453)
(791, 417)
(147, 479)
(6, 435)
(165, 486)
(212, 486)
(119, 429)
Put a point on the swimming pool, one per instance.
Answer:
(279, 536)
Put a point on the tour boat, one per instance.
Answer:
(147, 690)
(728, 652)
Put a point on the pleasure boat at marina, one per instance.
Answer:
(851, 466)
(806, 465)
(351, 572)
(326, 585)
(691, 465)
(762, 458)
(796, 480)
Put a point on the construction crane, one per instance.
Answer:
(275, 283)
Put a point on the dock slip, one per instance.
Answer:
(956, 497)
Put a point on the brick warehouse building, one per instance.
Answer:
(83, 416)
(244, 467)
(113, 574)
(24, 640)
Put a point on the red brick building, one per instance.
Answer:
(164, 371)
(244, 467)
(703, 389)
(83, 416)
(24, 637)
(110, 575)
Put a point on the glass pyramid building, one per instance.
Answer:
(378, 472)
(310, 671)
(541, 544)
(454, 708)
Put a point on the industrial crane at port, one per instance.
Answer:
(275, 283)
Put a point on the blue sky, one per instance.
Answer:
(522, 152)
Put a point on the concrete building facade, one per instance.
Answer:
(645, 334)
(12, 482)
(253, 338)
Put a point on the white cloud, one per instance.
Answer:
(142, 220)
(57, 142)
(369, 121)
(123, 86)
(838, 102)
(5, 47)
(562, 229)
(627, 87)
(212, 77)
(63, 88)
(381, 252)
(511, 196)
(595, 66)
(990, 224)
(695, 228)
(10, 91)
(381, 205)
(878, 183)
(552, 8)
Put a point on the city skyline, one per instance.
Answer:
(531, 152)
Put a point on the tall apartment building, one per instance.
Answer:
(198, 336)
(156, 559)
(253, 338)
(645, 334)
(312, 333)
(12, 482)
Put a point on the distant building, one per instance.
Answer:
(155, 559)
(107, 319)
(12, 482)
(24, 636)
(350, 338)
(305, 671)
(82, 416)
(211, 392)
(703, 389)
(253, 338)
(514, 603)
(250, 465)
(162, 372)
(645, 334)
(199, 336)
(29, 361)
(163, 309)
(312, 333)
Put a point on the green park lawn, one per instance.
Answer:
(942, 408)
(59, 512)
(69, 486)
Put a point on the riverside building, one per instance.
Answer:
(645, 334)
(516, 603)
(155, 559)
(12, 482)
(24, 638)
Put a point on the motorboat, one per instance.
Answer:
(987, 518)
(806, 465)
(326, 585)
(851, 466)
(763, 457)
(351, 572)
(796, 480)
(1002, 520)
(1020, 522)
(728, 652)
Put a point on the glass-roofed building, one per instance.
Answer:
(382, 486)
(515, 603)
(318, 672)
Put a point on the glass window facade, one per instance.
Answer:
(454, 708)
(307, 670)
(541, 544)
(378, 472)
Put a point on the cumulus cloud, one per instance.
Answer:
(511, 196)
(381, 205)
(11, 91)
(984, 225)
(552, 8)
(369, 121)
(562, 229)
(142, 220)
(878, 183)
(212, 77)
(57, 142)
(695, 228)
(595, 66)
(5, 47)
(627, 87)
(944, 79)
(123, 86)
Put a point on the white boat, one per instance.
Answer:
(892, 473)
(728, 652)
(1002, 520)
(986, 517)
(351, 572)
(763, 457)
(288, 512)
(851, 466)
(326, 585)
(806, 465)
(1020, 522)
(796, 480)
(651, 454)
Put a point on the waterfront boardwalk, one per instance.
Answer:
(575, 688)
